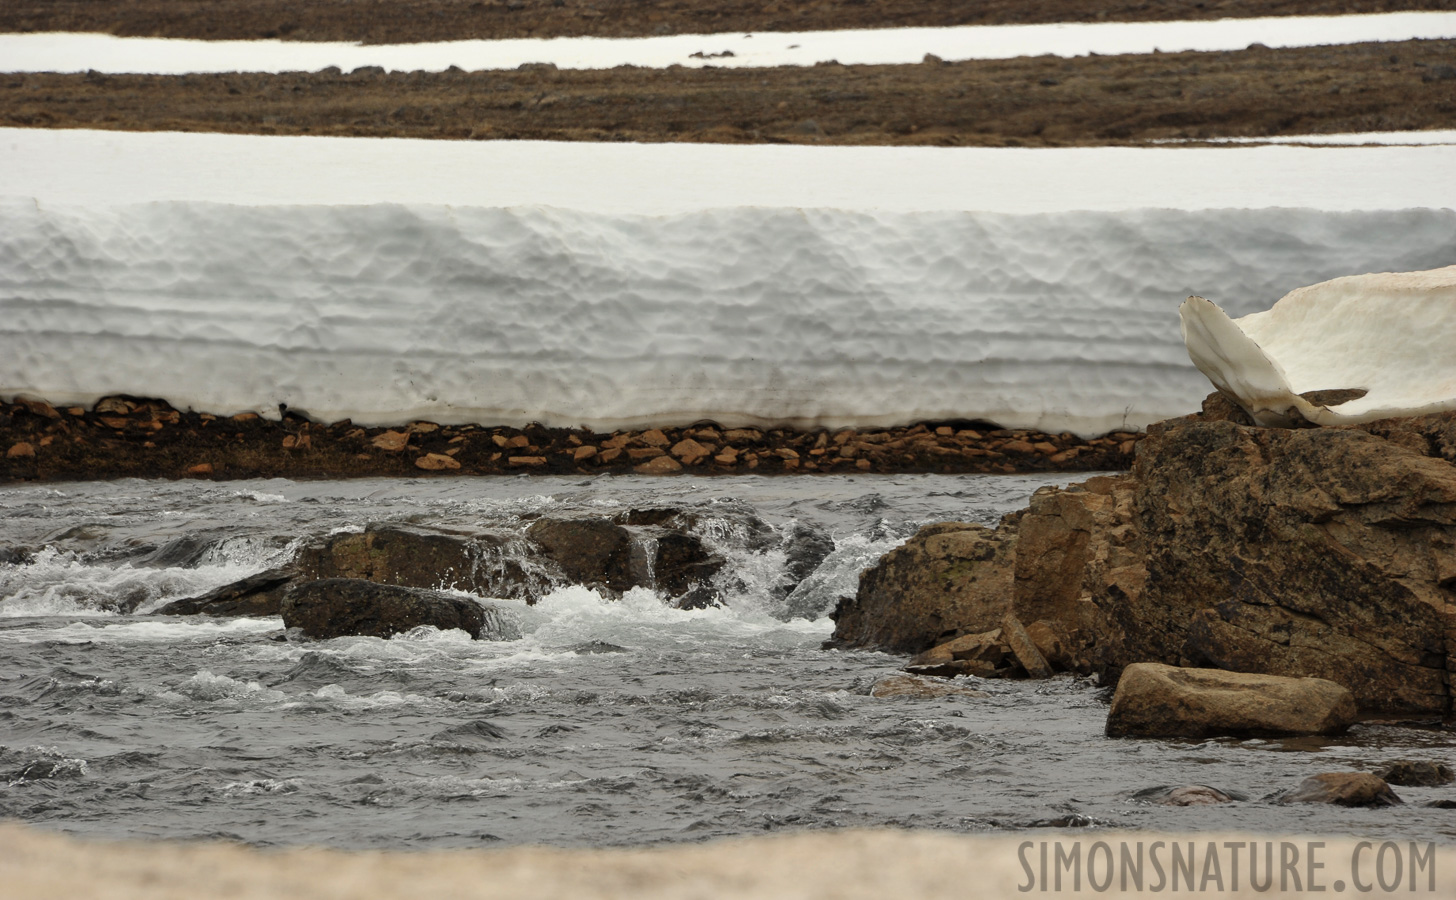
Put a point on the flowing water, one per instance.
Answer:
(607, 722)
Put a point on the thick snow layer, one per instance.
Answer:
(1392, 335)
(61, 52)
(92, 167)
(388, 312)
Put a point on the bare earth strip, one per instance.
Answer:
(404, 21)
(1043, 101)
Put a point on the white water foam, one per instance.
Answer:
(64, 52)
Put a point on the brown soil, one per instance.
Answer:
(133, 437)
(402, 21)
(1044, 101)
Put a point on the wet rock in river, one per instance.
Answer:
(1154, 700)
(256, 595)
(588, 550)
(951, 578)
(1343, 789)
(1187, 795)
(1416, 773)
(340, 607)
(910, 687)
(481, 563)
(981, 654)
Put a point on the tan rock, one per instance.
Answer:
(862, 464)
(610, 454)
(583, 453)
(201, 469)
(391, 441)
(662, 465)
(1155, 700)
(1017, 446)
(518, 442)
(1024, 648)
(786, 453)
(113, 422)
(982, 654)
(423, 427)
(21, 450)
(1045, 448)
(245, 417)
(499, 440)
(525, 462)
(114, 405)
(945, 431)
(617, 441)
(434, 462)
(639, 454)
(742, 435)
(911, 688)
(76, 411)
(654, 438)
(48, 440)
(689, 451)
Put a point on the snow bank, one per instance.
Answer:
(1388, 334)
(384, 313)
(58, 52)
(630, 285)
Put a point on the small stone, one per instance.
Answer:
(611, 454)
(423, 427)
(498, 439)
(945, 431)
(862, 464)
(524, 462)
(645, 453)
(17, 451)
(200, 469)
(288, 441)
(689, 451)
(112, 405)
(911, 688)
(245, 417)
(1018, 447)
(1343, 789)
(617, 441)
(654, 438)
(433, 462)
(1045, 448)
(113, 422)
(742, 435)
(392, 441)
(786, 453)
(1065, 455)
(584, 452)
(662, 465)
(48, 440)
(38, 408)
(76, 411)
(518, 442)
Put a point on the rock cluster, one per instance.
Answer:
(1297, 552)
(136, 437)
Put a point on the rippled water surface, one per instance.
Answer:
(608, 722)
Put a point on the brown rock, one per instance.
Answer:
(645, 453)
(583, 453)
(113, 422)
(786, 453)
(392, 441)
(114, 405)
(981, 654)
(423, 427)
(1187, 795)
(728, 457)
(434, 462)
(1416, 773)
(949, 579)
(654, 438)
(525, 462)
(1154, 700)
(419, 557)
(245, 417)
(256, 595)
(911, 688)
(1017, 447)
(588, 550)
(516, 443)
(689, 451)
(20, 450)
(662, 465)
(1024, 648)
(1343, 789)
(742, 435)
(38, 408)
(611, 454)
(201, 469)
(862, 464)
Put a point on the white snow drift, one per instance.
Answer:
(62, 52)
(1389, 335)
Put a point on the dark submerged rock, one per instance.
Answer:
(1416, 773)
(588, 550)
(1343, 789)
(339, 607)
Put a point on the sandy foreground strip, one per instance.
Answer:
(847, 864)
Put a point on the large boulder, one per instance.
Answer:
(340, 607)
(950, 579)
(482, 563)
(1154, 700)
(590, 551)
